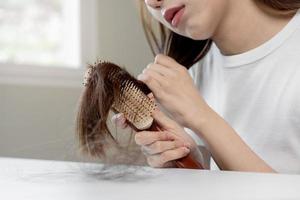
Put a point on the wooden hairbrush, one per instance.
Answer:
(130, 98)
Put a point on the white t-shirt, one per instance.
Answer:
(258, 94)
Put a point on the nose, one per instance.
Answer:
(154, 3)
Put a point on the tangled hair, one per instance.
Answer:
(96, 101)
(93, 111)
(184, 50)
(104, 84)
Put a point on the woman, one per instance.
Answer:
(243, 99)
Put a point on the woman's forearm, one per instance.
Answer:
(227, 148)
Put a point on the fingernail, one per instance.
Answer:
(115, 117)
(150, 95)
(141, 77)
(186, 150)
(121, 121)
(119, 115)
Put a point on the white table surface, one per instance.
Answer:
(38, 180)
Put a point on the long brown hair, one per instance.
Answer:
(94, 105)
(184, 50)
(103, 84)
(97, 97)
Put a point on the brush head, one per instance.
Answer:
(135, 105)
(130, 95)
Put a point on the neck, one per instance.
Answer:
(247, 25)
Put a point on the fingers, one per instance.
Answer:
(161, 146)
(162, 119)
(160, 160)
(150, 95)
(167, 61)
(152, 80)
(160, 69)
(148, 137)
(119, 120)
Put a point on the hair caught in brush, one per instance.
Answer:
(96, 101)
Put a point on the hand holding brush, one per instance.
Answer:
(109, 87)
(163, 148)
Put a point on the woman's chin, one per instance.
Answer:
(197, 34)
(194, 32)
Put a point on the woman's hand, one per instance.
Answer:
(174, 89)
(161, 148)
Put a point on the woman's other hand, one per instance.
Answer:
(161, 148)
(174, 89)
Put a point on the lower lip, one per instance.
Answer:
(176, 19)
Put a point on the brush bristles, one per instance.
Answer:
(130, 95)
(136, 106)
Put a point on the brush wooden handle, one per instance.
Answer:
(185, 162)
